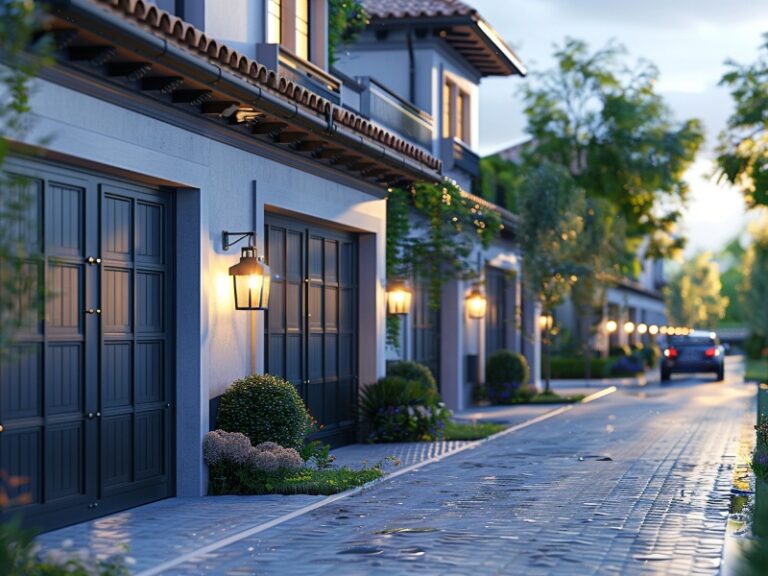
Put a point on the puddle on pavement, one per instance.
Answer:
(653, 557)
(363, 551)
(407, 530)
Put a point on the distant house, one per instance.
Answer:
(419, 66)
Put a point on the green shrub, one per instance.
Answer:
(414, 372)
(19, 556)
(651, 355)
(755, 346)
(400, 410)
(506, 376)
(266, 409)
(618, 351)
(573, 368)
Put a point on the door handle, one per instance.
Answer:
(92, 415)
(93, 311)
(91, 260)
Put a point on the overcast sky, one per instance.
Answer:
(688, 40)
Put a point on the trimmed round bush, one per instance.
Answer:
(266, 409)
(414, 372)
(506, 376)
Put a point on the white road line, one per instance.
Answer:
(342, 495)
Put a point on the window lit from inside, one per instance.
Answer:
(302, 29)
(274, 21)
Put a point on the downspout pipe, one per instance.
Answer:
(122, 33)
(411, 67)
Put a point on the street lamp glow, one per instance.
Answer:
(653, 329)
(642, 328)
(611, 326)
(546, 321)
(629, 327)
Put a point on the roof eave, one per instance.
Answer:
(507, 62)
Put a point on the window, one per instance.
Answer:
(274, 21)
(456, 112)
(302, 29)
(447, 109)
(288, 24)
(461, 99)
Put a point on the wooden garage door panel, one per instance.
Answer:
(85, 397)
(311, 327)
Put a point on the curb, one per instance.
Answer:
(354, 491)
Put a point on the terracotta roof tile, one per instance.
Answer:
(189, 37)
(416, 8)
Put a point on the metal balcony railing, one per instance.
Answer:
(390, 110)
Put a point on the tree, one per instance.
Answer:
(603, 122)
(694, 295)
(743, 148)
(755, 287)
(549, 224)
(596, 256)
(732, 280)
(346, 19)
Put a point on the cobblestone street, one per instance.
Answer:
(637, 482)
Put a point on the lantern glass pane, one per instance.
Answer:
(398, 301)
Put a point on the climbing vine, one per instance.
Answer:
(346, 19)
(24, 50)
(437, 245)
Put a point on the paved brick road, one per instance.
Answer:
(635, 483)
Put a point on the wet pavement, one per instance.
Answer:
(636, 482)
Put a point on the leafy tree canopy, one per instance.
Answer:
(694, 295)
(755, 285)
(603, 122)
(550, 221)
(743, 147)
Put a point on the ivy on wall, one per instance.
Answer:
(346, 19)
(437, 245)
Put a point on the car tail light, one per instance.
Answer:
(711, 352)
(670, 353)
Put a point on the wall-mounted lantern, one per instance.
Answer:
(250, 276)
(653, 329)
(642, 328)
(476, 304)
(629, 327)
(546, 321)
(399, 297)
(611, 326)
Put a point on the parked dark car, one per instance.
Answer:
(696, 352)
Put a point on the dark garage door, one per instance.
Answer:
(311, 327)
(85, 396)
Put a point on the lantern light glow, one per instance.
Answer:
(476, 304)
(398, 298)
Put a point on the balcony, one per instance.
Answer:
(390, 110)
(300, 71)
(456, 155)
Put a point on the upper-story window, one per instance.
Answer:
(456, 112)
(302, 29)
(289, 24)
(274, 21)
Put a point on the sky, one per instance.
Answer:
(688, 40)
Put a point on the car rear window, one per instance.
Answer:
(693, 341)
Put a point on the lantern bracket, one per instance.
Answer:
(226, 243)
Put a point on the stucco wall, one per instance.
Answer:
(215, 183)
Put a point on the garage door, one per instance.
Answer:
(311, 327)
(85, 395)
